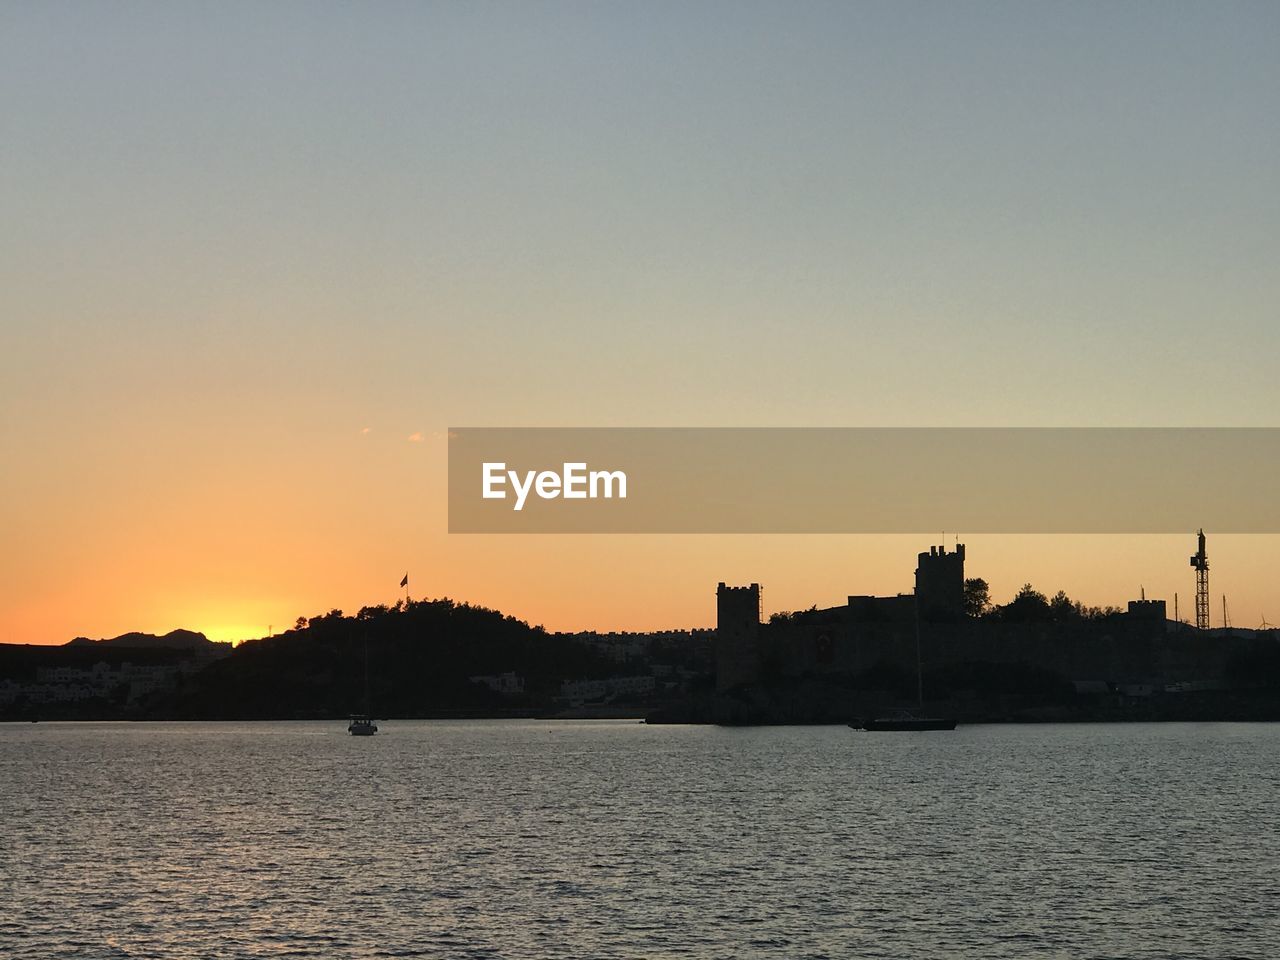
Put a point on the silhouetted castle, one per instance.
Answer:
(868, 631)
(745, 645)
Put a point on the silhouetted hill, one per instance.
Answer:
(173, 640)
(419, 662)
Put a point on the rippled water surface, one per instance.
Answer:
(580, 839)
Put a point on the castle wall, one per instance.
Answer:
(1110, 650)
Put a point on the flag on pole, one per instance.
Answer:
(405, 581)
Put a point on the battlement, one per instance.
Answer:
(940, 583)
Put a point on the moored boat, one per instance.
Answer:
(906, 720)
(909, 722)
(363, 725)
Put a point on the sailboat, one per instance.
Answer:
(362, 725)
(909, 721)
(905, 719)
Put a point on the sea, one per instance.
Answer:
(615, 839)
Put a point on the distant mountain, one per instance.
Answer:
(173, 640)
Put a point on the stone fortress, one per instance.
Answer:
(1138, 647)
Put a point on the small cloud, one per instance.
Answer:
(415, 437)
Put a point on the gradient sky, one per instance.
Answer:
(257, 258)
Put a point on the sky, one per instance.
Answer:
(257, 259)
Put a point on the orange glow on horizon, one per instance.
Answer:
(624, 582)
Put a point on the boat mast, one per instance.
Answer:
(919, 668)
(366, 675)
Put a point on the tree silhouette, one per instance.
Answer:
(1061, 607)
(977, 597)
(1029, 606)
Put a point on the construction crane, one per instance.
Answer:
(1200, 560)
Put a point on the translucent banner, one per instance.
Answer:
(863, 480)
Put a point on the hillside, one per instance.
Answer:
(419, 661)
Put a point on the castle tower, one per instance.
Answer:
(940, 583)
(737, 635)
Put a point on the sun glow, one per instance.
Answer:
(236, 634)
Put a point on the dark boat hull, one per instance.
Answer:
(909, 723)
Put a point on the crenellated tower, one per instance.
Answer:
(737, 635)
(940, 583)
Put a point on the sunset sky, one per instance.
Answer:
(257, 259)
